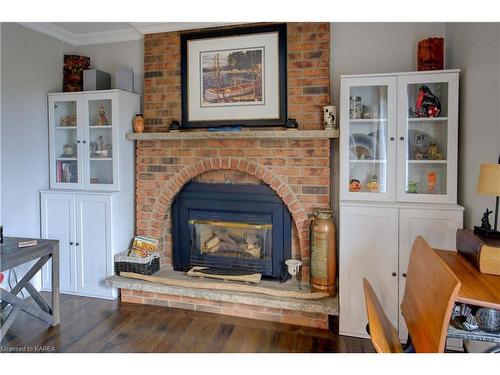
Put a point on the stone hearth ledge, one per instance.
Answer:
(327, 305)
(244, 134)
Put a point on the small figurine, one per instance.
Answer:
(420, 148)
(435, 152)
(354, 185)
(175, 126)
(373, 184)
(431, 182)
(68, 151)
(428, 104)
(101, 118)
(412, 187)
(329, 116)
(291, 124)
(485, 220)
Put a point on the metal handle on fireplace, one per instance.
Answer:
(231, 224)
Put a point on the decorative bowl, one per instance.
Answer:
(488, 319)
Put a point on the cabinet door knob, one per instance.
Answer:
(392, 139)
(404, 274)
(77, 244)
(77, 141)
(84, 141)
(394, 274)
(71, 243)
(401, 138)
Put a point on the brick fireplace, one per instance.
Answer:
(294, 164)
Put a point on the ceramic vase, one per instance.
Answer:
(138, 123)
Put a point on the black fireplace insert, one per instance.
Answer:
(233, 228)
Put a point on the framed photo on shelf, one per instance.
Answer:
(234, 77)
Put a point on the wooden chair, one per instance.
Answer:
(382, 333)
(430, 292)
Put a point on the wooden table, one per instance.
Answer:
(11, 256)
(478, 289)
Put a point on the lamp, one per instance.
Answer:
(489, 184)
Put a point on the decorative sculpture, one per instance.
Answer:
(485, 220)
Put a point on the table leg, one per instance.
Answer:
(55, 285)
(8, 321)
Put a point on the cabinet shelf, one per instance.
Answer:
(100, 126)
(382, 161)
(67, 159)
(427, 119)
(427, 161)
(66, 127)
(367, 120)
(101, 159)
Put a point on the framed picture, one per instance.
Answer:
(234, 77)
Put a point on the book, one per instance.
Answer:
(143, 247)
(482, 252)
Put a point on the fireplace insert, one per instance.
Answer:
(232, 229)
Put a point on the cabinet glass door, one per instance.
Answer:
(427, 139)
(100, 122)
(65, 141)
(368, 113)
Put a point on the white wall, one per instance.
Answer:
(109, 57)
(475, 48)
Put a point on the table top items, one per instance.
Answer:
(488, 319)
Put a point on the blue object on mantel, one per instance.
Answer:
(225, 129)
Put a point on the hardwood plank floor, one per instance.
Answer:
(93, 325)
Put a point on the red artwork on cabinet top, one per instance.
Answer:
(431, 54)
(74, 66)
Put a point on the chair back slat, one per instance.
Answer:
(382, 333)
(430, 292)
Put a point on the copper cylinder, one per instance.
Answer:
(323, 253)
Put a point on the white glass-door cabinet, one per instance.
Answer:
(87, 139)
(399, 137)
(398, 179)
(368, 148)
(89, 207)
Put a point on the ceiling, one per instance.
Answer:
(87, 33)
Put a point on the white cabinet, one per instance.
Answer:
(87, 136)
(398, 179)
(375, 242)
(91, 228)
(369, 235)
(438, 227)
(58, 215)
(389, 149)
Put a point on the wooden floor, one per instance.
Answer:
(93, 325)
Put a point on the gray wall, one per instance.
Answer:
(32, 66)
(362, 48)
(475, 48)
(109, 57)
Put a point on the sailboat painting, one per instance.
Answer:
(232, 77)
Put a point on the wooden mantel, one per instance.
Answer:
(249, 134)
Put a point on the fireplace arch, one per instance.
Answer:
(156, 224)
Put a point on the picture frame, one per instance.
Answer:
(234, 77)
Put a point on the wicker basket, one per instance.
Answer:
(144, 266)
